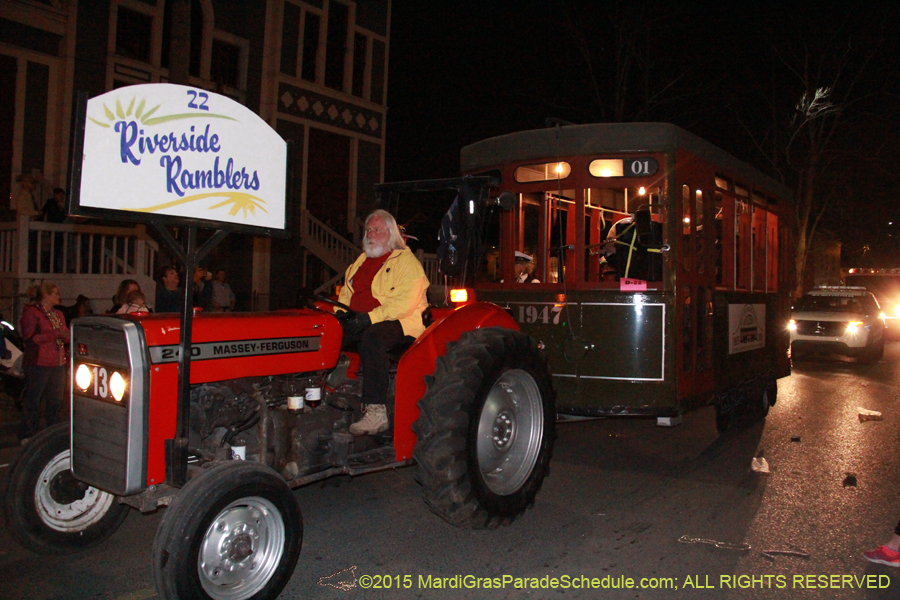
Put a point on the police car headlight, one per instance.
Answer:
(117, 386)
(853, 326)
(83, 377)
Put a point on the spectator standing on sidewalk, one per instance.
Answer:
(46, 339)
(169, 297)
(222, 295)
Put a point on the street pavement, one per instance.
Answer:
(679, 508)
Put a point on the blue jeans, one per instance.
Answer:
(48, 383)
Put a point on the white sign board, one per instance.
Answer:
(746, 327)
(173, 150)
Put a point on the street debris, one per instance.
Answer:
(771, 554)
(760, 465)
(795, 438)
(868, 415)
(850, 480)
(686, 539)
(340, 584)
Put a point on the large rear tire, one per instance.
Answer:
(233, 533)
(47, 510)
(486, 429)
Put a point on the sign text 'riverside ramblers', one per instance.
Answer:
(172, 150)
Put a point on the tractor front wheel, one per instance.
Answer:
(233, 533)
(47, 510)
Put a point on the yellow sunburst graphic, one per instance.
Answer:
(239, 201)
(147, 118)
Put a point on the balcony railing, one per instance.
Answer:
(88, 260)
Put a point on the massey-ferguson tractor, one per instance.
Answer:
(474, 408)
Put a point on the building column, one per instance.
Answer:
(261, 278)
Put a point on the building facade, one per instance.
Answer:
(315, 70)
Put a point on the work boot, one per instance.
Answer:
(374, 421)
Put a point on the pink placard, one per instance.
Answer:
(632, 285)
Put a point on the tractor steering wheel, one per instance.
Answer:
(325, 300)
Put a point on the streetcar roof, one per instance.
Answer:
(606, 138)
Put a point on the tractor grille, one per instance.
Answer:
(109, 436)
(824, 328)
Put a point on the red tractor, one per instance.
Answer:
(475, 409)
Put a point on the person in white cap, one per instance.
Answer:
(524, 268)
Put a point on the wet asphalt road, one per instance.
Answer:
(620, 496)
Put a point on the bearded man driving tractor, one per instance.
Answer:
(385, 289)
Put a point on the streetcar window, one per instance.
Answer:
(543, 172)
(607, 167)
(718, 223)
(529, 234)
(772, 252)
(687, 245)
(700, 237)
(561, 259)
(722, 183)
(759, 245)
(742, 238)
(607, 215)
(687, 329)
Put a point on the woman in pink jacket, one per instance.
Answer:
(46, 339)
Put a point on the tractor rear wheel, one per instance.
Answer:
(486, 429)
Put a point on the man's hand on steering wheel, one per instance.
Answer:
(310, 299)
(353, 322)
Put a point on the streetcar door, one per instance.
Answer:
(694, 295)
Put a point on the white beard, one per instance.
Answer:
(374, 249)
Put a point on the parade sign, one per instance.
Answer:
(172, 153)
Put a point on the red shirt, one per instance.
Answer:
(362, 299)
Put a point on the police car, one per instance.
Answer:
(844, 320)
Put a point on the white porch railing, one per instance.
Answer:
(331, 248)
(88, 260)
(337, 252)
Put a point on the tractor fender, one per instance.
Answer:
(418, 362)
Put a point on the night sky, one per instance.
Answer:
(464, 71)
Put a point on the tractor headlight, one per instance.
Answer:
(117, 386)
(83, 377)
(98, 382)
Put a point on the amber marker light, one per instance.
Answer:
(459, 296)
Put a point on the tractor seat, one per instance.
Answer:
(397, 351)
